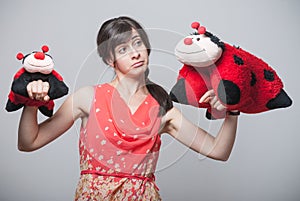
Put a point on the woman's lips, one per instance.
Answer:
(138, 64)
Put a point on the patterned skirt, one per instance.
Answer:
(93, 187)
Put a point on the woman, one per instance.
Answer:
(122, 121)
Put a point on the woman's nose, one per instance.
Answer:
(134, 53)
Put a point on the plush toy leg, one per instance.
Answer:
(10, 106)
(182, 92)
(178, 92)
(282, 100)
(45, 111)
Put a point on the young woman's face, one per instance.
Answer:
(131, 57)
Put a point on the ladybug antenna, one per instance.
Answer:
(45, 48)
(195, 25)
(20, 56)
(200, 29)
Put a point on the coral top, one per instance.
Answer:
(119, 148)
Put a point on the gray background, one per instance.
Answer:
(264, 164)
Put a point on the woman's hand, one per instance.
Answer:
(38, 90)
(211, 98)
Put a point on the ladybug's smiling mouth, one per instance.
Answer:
(39, 66)
(203, 50)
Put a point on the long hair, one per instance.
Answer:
(118, 30)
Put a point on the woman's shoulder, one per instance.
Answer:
(172, 114)
(82, 98)
(85, 91)
(171, 120)
(86, 94)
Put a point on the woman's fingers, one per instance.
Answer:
(211, 98)
(46, 98)
(45, 89)
(207, 96)
(29, 90)
(214, 101)
(219, 106)
(38, 90)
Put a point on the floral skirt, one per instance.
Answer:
(109, 188)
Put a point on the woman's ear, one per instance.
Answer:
(111, 63)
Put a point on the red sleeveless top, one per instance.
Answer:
(120, 146)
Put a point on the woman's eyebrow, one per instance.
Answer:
(135, 36)
(124, 42)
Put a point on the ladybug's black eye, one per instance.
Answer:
(198, 39)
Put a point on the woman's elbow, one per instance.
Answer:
(24, 148)
(222, 157)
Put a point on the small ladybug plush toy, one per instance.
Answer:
(240, 80)
(37, 65)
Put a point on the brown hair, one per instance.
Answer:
(118, 30)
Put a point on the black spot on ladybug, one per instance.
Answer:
(280, 101)
(269, 75)
(228, 92)
(253, 79)
(178, 93)
(236, 47)
(238, 60)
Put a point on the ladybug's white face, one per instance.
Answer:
(38, 62)
(197, 51)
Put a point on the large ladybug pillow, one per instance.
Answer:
(37, 65)
(240, 80)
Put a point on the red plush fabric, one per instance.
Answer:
(18, 99)
(57, 75)
(19, 73)
(253, 99)
(240, 80)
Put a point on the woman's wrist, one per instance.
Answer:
(28, 108)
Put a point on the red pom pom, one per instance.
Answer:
(20, 56)
(195, 25)
(201, 30)
(45, 48)
(39, 55)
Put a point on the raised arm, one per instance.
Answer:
(33, 135)
(199, 140)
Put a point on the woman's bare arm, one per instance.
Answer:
(196, 138)
(199, 140)
(33, 135)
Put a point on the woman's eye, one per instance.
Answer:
(122, 50)
(138, 43)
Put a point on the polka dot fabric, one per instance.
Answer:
(119, 149)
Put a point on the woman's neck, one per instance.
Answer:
(128, 87)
